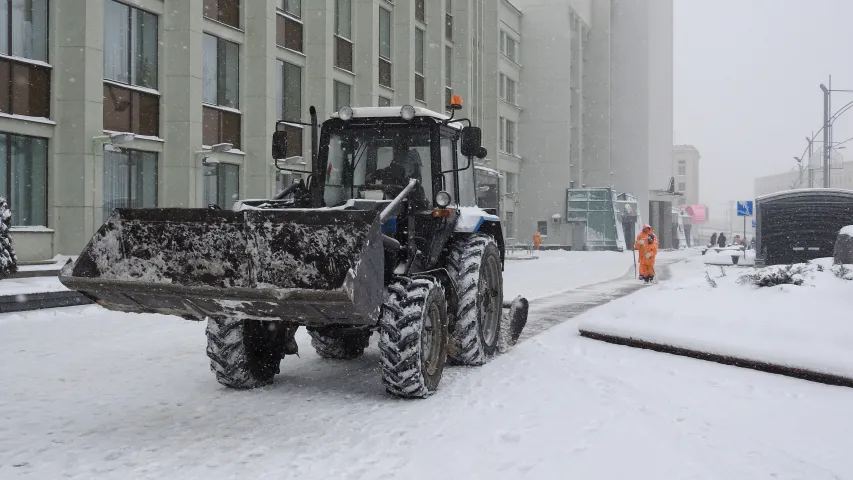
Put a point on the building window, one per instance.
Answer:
(130, 180)
(511, 88)
(224, 11)
(24, 86)
(448, 20)
(502, 133)
(448, 76)
(542, 227)
(682, 186)
(420, 10)
(511, 182)
(511, 48)
(220, 92)
(503, 42)
(384, 102)
(23, 28)
(289, 29)
(23, 178)
(420, 65)
(221, 184)
(682, 167)
(130, 60)
(507, 133)
(385, 76)
(343, 95)
(343, 34)
(290, 106)
(510, 225)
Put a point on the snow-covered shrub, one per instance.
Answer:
(842, 271)
(795, 274)
(8, 260)
(843, 252)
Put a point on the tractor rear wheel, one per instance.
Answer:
(413, 337)
(475, 264)
(338, 343)
(246, 353)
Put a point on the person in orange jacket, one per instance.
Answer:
(537, 240)
(647, 245)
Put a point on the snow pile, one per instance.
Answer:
(848, 230)
(724, 256)
(8, 259)
(795, 274)
(806, 326)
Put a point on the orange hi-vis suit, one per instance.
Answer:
(647, 245)
(537, 240)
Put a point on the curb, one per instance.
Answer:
(794, 372)
(39, 301)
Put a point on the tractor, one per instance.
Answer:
(383, 236)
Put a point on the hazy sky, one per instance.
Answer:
(747, 76)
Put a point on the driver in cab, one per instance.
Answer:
(404, 166)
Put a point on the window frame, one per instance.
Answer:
(131, 36)
(335, 97)
(448, 20)
(341, 39)
(221, 192)
(220, 43)
(9, 186)
(219, 19)
(283, 17)
(420, 65)
(11, 35)
(420, 11)
(131, 157)
(386, 78)
(295, 132)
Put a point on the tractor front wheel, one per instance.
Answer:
(413, 337)
(246, 353)
(475, 264)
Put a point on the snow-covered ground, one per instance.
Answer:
(724, 257)
(808, 326)
(89, 394)
(557, 271)
(22, 286)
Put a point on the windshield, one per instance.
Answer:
(363, 161)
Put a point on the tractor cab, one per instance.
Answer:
(371, 154)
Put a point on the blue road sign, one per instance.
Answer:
(744, 208)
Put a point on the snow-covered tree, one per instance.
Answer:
(8, 260)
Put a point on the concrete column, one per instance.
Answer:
(403, 49)
(319, 18)
(435, 55)
(258, 85)
(181, 118)
(489, 81)
(77, 83)
(463, 55)
(365, 24)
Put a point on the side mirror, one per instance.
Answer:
(482, 153)
(472, 141)
(279, 145)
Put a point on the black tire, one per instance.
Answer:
(413, 337)
(339, 344)
(475, 264)
(245, 353)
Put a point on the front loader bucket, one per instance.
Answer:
(310, 267)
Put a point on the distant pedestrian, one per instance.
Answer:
(537, 240)
(721, 240)
(713, 239)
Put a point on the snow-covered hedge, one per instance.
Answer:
(795, 274)
(8, 260)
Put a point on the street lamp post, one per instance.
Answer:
(826, 127)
